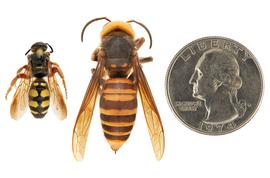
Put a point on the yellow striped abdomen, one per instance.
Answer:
(39, 98)
(118, 107)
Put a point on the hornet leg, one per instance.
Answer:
(145, 59)
(138, 43)
(94, 56)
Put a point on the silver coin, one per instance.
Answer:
(214, 85)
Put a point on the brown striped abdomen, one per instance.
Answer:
(39, 98)
(118, 107)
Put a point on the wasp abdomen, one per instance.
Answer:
(118, 107)
(39, 98)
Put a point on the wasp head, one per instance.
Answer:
(39, 48)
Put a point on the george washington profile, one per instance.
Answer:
(216, 80)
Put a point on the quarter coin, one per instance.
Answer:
(214, 85)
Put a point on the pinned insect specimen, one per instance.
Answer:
(117, 77)
(38, 87)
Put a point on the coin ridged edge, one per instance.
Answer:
(178, 117)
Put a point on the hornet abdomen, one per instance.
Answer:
(39, 98)
(118, 107)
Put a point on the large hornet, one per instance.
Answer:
(38, 85)
(116, 78)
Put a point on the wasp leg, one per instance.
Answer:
(139, 42)
(13, 82)
(25, 67)
(56, 69)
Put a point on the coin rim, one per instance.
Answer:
(178, 117)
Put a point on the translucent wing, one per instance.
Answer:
(80, 132)
(153, 120)
(57, 99)
(20, 99)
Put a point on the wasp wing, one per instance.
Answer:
(57, 98)
(153, 120)
(81, 128)
(20, 99)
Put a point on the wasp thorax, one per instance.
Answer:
(39, 63)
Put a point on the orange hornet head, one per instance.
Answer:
(117, 25)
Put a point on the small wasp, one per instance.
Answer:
(38, 85)
(116, 78)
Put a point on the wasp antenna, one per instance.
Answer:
(50, 47)
(27, 51)
(142, 25)
(91, 21)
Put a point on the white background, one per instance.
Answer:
(42, 148)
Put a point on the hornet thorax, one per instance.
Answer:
(118, 47)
